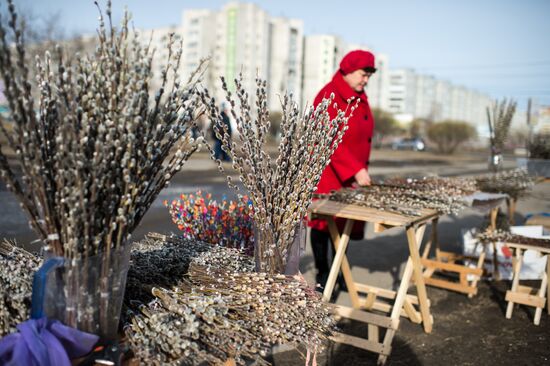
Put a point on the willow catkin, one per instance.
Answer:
(214, 306)
(17, 268)
(98, 145)
(280, 190)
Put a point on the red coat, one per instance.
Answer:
(354, 151)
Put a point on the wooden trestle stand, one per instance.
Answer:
(401, 303)
(445, 262)
(526, 295)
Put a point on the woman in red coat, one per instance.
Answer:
(349, 163)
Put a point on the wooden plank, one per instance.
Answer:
(526, 290)
(515, 281)
(384, 293)
(366, 317)
(386, 308)
(337, 261)
(369, 301)
(528, 247)
(378, 227)
(451, 267)
(479, 265)
(511, 203)
(325, 207)
(454, 286)
(345, 267)
(541, 294)
(373, 334)
(413, 315)
(428, 272)
(361, 343)
(548, 284)
(414, 238)
(525, 299)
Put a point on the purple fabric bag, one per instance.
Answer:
(44, 342)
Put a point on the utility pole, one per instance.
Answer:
(530, 133)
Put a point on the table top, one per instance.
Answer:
(325, 207)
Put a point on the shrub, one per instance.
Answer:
(448, 135)
(539, 147)
(385, 125)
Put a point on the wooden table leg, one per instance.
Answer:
(414, 238)
(433, 240)
(515, 281)
(492, 227)
(337, 261)
(404, 286)
(548, 283)
(346, 269)
(511, 203)
(541, 293)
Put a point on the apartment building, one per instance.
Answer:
(322, 55)
(413, 95)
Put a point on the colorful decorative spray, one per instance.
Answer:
(227, 223)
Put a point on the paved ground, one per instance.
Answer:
(466, 331)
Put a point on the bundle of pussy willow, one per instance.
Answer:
(194, 303)
(503, 236)
(515, 182)
(17, 267)
(409, 196)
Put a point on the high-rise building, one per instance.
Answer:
(285, 60)
(322, 54)
(413, 95)
(242, 39)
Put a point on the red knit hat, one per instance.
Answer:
(356, 60)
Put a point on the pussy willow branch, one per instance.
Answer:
(280, 190)
(98, 150)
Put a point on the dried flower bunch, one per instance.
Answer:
(499, 119)
(17, 268)
(282, 189)
(487, 237)
(227, 223)
(220, 309)
(407, 196)
(97, 149)
(515, 182)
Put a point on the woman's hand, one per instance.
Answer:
(362, 178)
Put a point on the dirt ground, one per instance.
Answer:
(466, 332)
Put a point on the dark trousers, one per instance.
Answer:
(218, 151)
(320, 243)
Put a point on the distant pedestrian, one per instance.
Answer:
(349, 164)
(224, 123)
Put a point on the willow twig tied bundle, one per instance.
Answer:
(408, 196)
(515, 182)
(280, 190)
(499, 119)
(96, 149)
(17, 268)
(205, 304)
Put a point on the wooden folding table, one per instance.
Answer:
(403, 303)
(446, 261)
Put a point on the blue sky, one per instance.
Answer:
(497, 47)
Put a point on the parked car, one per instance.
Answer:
(416, 144)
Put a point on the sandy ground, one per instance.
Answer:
(466, 331)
